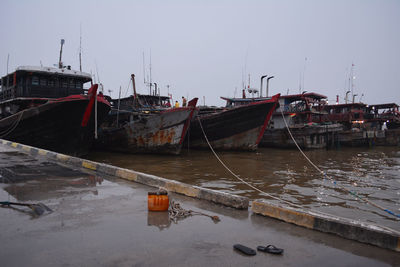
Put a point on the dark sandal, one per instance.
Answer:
(270, 249)
(245, 250)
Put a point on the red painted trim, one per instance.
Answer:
(275, 99)
(192, 105)
(92, 94)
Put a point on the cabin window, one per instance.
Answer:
(71, 83)
(78, 84)
(65, 84)
(51, 83)
(35, 80)
(43, 82)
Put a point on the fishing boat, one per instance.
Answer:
(145, 124)
(296, 112)
(385, 117)
(365, 125)
(300, 113)
(49, 108)
(236, 128)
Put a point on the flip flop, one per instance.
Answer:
(245, 250)
(270, 249)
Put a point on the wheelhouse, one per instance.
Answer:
(42, 82)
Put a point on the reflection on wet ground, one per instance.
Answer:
(372, 173)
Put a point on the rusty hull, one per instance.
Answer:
(149, 133)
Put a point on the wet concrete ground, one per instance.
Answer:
(103, 221)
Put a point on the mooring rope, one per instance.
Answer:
(240, 179)
(12, 127)
(176, 214)
(332, 180)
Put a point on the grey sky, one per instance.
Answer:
(202, 48)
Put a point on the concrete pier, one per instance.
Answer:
(102, 220)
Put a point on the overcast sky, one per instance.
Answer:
(207, 48)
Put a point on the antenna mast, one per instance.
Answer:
(150, 73)
(352, 79)
(8, 60)
(60, 65)
(304, 71)
(80, 48)
(144, 70)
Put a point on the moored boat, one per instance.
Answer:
(299, 112)
(49, 108)
(358, 130)
(366, 125)
(237, 128)
(145, 124)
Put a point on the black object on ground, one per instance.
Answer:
(245, 250)
(270, 249)
(38, 209)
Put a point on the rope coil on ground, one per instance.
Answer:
(176, 212)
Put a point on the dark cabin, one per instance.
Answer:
(42, 82)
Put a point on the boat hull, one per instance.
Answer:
(160, 133)
(239, 128)
(307, 137)
(368, 138)
(55, 125)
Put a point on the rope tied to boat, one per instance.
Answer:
(332, 180)
(240, 179)
(13, 126)
(176, 212)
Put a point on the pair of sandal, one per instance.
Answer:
(249, 251)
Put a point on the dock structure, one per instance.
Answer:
(99, 219)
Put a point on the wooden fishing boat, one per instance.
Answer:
(237, 128)
(145, 124)
(299, 112)
(366, 125)
(48, 108)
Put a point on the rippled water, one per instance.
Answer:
(372, 173)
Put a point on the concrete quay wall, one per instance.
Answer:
(350, 229)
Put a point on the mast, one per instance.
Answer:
(8, 60)
(60, 65)
(150, 73)
(144, 71)
(352, 79)
(135, 104)
(80, 48)
(119, 102)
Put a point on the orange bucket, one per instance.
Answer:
(158, 201)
